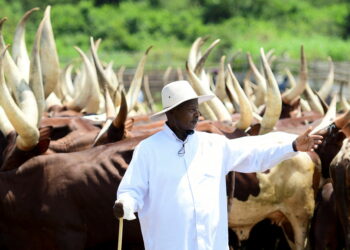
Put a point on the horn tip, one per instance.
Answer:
(148, 49)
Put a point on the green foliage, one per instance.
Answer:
(128, 27)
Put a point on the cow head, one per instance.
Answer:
(330, 146)
(333, 137)
(13, 157)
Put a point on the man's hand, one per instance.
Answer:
(307, 142)
(118, 210)
(123, 209)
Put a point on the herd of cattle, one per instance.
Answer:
(67, 138)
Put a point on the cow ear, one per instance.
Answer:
(44, 140)
(129, 123)
(43, 145)
(254, 129)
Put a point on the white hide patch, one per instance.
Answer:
(287, 188)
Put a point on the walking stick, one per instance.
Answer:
(120, 233)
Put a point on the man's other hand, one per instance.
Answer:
(307, 142)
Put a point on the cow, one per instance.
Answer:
(64, 201)
(325, 229)
(339, 172)
(277, 194)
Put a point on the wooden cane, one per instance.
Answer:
(120, 233)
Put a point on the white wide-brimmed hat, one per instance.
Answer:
(175, 93)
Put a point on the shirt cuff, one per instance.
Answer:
(131, 201)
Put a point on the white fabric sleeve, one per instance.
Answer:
(134, 184)
(258, 153)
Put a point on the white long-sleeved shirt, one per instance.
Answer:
(181, 199)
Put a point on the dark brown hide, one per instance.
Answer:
(74, 141)
(62, 126)
(340, 173)
(290, 109)
(325, 230)
(64, 201)
(330, 146)
(3, 145)
(12, 157)
(246, 185)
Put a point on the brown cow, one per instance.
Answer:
(339, 171)
(64, 134)
(325, 230)
(64, 201)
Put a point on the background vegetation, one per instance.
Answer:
(128, 27)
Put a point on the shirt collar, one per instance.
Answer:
(171, 134)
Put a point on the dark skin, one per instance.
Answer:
(183, 118)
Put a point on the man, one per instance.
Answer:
(176, 179)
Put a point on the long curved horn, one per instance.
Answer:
(28, 134)
(343, 102)
(313, 100)
(135, 85)
(232, 95)
(215, 104)
(180, 76)
(260, 92)
(35, 76)
(79, 81)
(148, 93)
(194, 52)
(167, 74)
(291, 78)
(123, 112)
(120, 75)
(101, 76)
(220, 80)
(115, 124)
(5, 125)
(19, 48)
(327, 85)
(23, 94)
(87, 98)
(292, 94)
(105, 85)
(110, 74)
(67, 87)
(305, 106)
(93, 101)
(200, 64)
(273, 100)
(207, 112)
(246, 112)
(48, 56)
(329, 116)
(248, 90)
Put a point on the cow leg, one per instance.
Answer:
(300, 232)
(324, 224)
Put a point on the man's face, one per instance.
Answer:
(185, 116)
